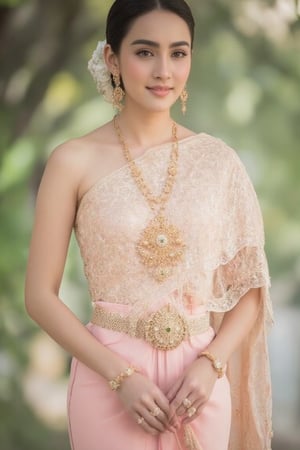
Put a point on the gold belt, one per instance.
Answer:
(164, 329)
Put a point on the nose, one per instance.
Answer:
(162, 68)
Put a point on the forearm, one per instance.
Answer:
(63, 326)
(236, 325)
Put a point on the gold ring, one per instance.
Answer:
(191, 411)
(155, 412)
(187, 403)
(140, 420)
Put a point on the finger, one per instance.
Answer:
(164, 417)
(169, 419)
(149, 412)
(191, 401)
(183, 392)
(199, 407)
(153, 422)
(174, 389)
(162, 402)
(200, 399)
(140, 420)
(170, 413)
(168, 422)
(190, 418)
(171, 395)
(159, 414)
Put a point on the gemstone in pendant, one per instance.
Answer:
(162, 240)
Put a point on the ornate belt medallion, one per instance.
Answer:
(166, 328)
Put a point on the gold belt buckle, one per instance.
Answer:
(166, 328)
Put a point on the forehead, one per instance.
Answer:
(159, 26)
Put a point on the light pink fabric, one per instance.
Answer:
(97, 418)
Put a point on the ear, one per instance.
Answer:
(111, 59)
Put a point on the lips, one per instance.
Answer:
(160, 88)
(160, 91)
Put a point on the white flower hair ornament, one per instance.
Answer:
(100, 72)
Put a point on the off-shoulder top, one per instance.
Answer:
(214, 205)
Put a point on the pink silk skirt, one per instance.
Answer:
(98, 419)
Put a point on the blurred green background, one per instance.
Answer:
(245, 88)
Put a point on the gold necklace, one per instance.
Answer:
(160, 246)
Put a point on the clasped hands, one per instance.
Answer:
(157, 412)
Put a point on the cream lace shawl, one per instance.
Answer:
(214, 205)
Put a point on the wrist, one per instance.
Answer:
(218, 366)
(116, 382)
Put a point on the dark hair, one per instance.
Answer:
(123, 13)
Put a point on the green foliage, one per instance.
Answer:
(13, 3)
(20, 429)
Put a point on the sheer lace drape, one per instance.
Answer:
(214, 204)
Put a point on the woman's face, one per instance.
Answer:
(155, 60)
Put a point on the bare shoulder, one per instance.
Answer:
(75, 153)
(82, 160)
(66, 157)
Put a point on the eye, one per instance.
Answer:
(144, 53)
(179, 54)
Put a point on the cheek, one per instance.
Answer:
(135, 71)
(182, 71)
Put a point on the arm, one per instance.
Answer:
(55, 212)
(236, 325)
(54, 216)
(198, 381)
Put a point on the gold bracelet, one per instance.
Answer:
(116, 382)
(216, 363)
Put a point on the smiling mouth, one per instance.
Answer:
(160, 90)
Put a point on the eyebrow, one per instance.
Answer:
(156, 44)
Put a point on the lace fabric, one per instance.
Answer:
(214, 205)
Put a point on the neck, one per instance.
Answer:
(144, 130)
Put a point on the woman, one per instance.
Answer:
(171, 238)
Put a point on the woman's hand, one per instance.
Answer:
(189, 394)
(146, 403)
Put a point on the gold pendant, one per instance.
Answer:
(160, 247)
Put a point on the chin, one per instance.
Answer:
(158, 108)
(152, 105)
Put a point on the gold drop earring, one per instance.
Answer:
(184, 97)
(118, 93)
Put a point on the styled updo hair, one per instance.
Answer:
(123, 13)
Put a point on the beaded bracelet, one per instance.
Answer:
(116, 382)
(216, 363)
